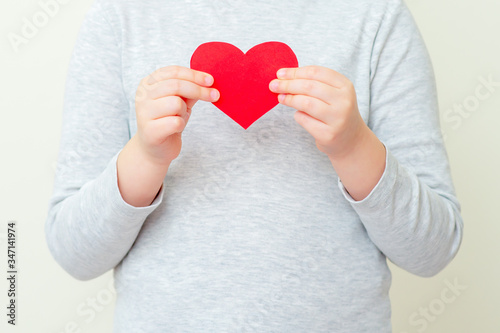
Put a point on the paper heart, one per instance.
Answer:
(243, 78)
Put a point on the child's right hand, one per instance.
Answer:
(163, 104)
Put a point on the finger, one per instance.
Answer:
(310, 105)
(311, 88)
(182, 88)
(182, 73)
(167, 126)
(315, 127)
(317, 73)
(167, 106)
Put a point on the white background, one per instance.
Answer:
(463, 39)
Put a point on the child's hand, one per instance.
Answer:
(163, 106)
(329, 111)
(327, 106)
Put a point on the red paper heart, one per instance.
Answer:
(243, 78)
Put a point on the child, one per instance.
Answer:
(283, 227)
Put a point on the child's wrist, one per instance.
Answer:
(147, 157)
(361, 169)
(358, 143)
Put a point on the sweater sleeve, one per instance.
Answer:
(90, 228)
(412, 214)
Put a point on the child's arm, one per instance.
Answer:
(404, 195)
(90, 226)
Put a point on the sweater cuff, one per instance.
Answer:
(381, 192)
(120, 207)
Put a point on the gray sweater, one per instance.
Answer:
(253, 230)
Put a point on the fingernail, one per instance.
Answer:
(281, 97)
(281, 73)
(214, 94)
(208, 80)
(274, 85)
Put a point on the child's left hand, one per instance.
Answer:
(327, 106)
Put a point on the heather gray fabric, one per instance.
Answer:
(252, 231)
